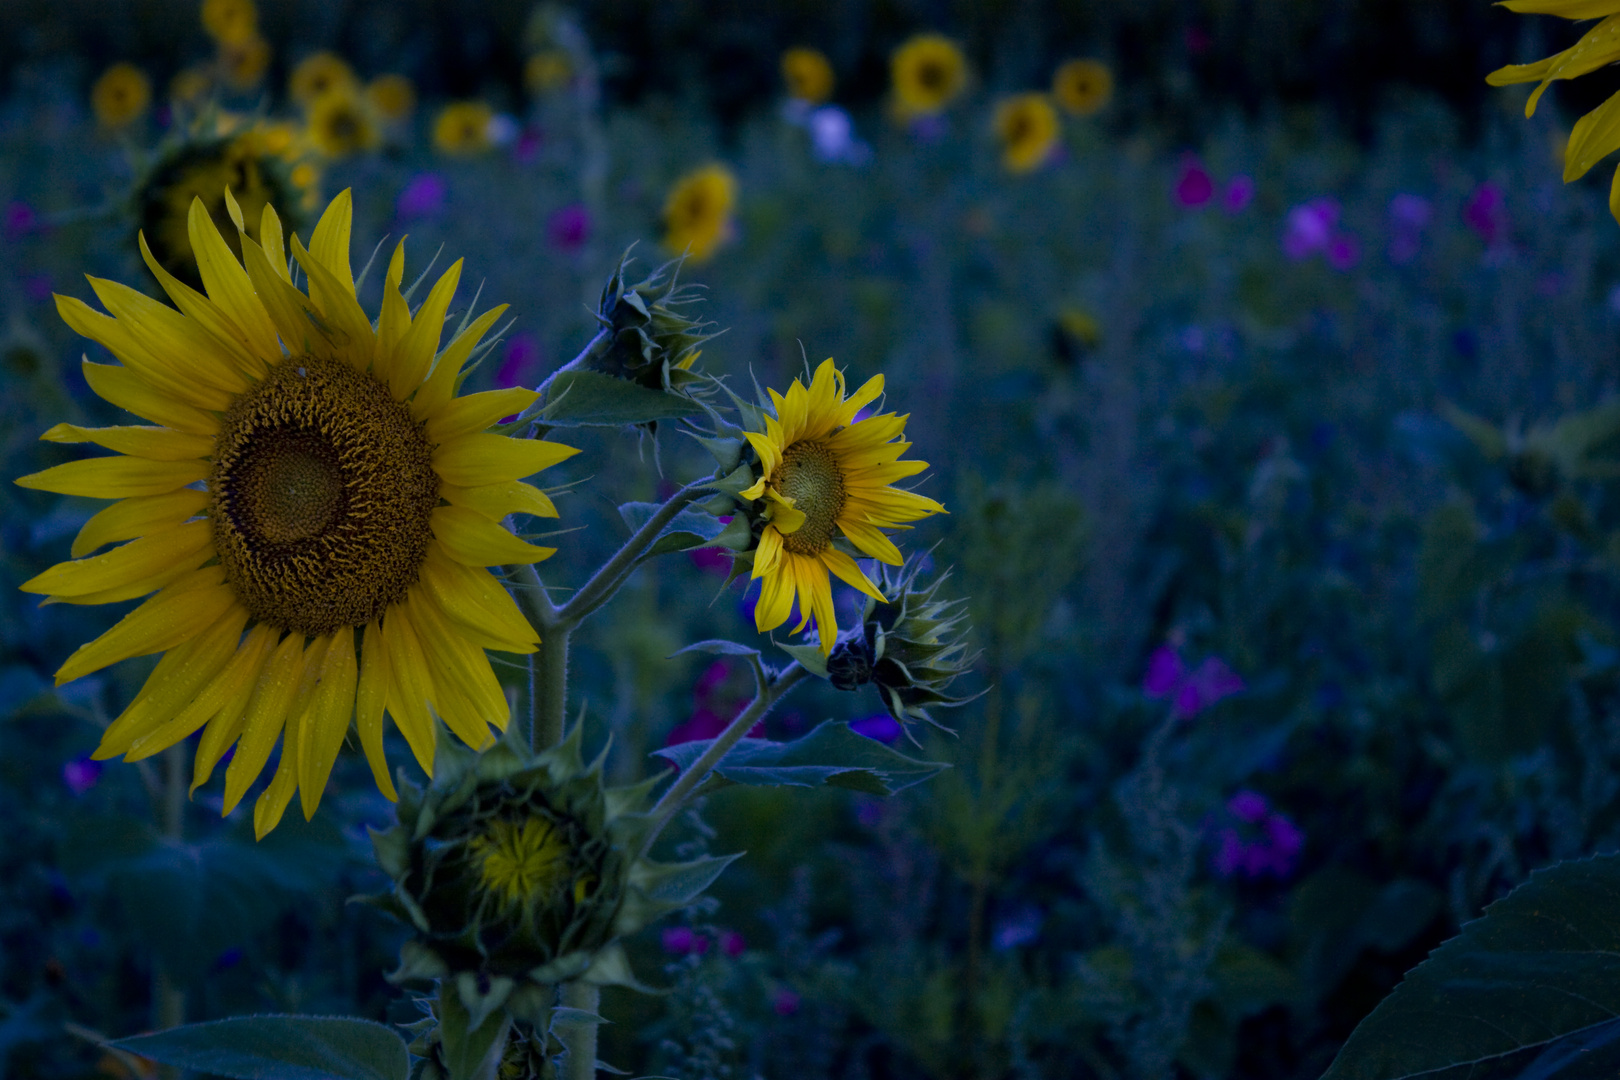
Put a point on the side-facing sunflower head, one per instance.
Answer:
(342, 122)
(651, 340)
(201, 160)
(1027, 127)
(698, 212)
(810, 483)
(517, 871)
(927, 72)
(1083, 87)
(911, 649)
(313, 510)
(120, 96)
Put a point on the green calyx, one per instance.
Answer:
(518, 871)
(650, 340)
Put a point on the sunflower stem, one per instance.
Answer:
(581, 1064)
(770, 690)
(612, 574)
(593, 348)
(548, 690)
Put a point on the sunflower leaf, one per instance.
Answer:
(831, 755)
(689, 529)
(279, 1048)
(718, 646)
(589, 398)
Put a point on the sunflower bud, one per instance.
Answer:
(650, 341)
(520, 871)
(911, 649)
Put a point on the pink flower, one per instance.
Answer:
(569, 227)
(81, 774)
(1194, 188)
(1485, 214)
(1191, 691)
(1343, 253)
(1257, 841)
(733, 944)
(1238, 195)
(882, 727)
(684, 941)
(784, 1002)
(422, 197)
(520, 363)
(1310, 228)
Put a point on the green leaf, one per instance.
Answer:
(718, 646)
(1518, 993)
(689, 529)
(832, 754)
(586, 398)
(279, 1048)
(473, 1034)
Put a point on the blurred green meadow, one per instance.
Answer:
(1277, 428)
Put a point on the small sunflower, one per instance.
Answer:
(393, 97)
(825, 474)
(191, 87)
(244, 64)
(928, 73)
(1083, 87)
(120, 96)
(548, 70)
(697, 213)
(231, 22)
(462, 128)
(1027, 126)
(314, 510)
(1597, 134)
(808, 74)
(341, 123)
(319, 74)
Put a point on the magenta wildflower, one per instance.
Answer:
(684, 941)
(81, 774)
(1194, 188)
(784, 1002)
(527, 147)
(1409, 216)
(1238, 194)
(520, 362)
(19, 221)
(423, 197)
(569, 227)
(882, 727)
(1343, 253)
(1191, 691)
(1485, 213)
(1310, 228)
(1256, 841)
(732, 943)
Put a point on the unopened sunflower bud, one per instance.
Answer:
(650, 340)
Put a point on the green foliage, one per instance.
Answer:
(279, 1048)
(831, 754)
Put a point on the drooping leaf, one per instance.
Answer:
(589, 398)
(1531, 989)
(279, 1048)
(719, 647)
(832, 754)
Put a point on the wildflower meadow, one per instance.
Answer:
(883, 540)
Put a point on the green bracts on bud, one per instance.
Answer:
(649, 340)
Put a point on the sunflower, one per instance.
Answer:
(825, 473)
(928, 72)
(244, 63)
(1083, 87)
(314, 510)
(393, 97)
(120, 96)
(341, 123)
(462, 128)
(317, 74)
(697, 214)
(230, 22)
(191, 87)
(808, 74)
(1597, 134)
(1027, 126)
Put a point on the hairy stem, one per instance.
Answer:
(593, 348)
(606, 581)
(548, 690)
(582, 1040)
(769, 693)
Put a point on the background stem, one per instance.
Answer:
(582, 1038)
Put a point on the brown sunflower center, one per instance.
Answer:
(810, 476)
(323, 487)
(932, 77)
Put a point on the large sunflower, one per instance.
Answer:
(314, 510)
(824, 473)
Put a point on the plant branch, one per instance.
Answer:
(581, 1063)
(770, 690)
(593, 348)
(606, 581)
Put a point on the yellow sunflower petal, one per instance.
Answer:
(395, 317)
(475, 460)
(135, 356)
(129, 518)
(266, 716)
(888, 506)
(782, 514)
(194, 305)
(232, 682)
(869, 392)
(414, 354)
(133, 561)
(410, 690)
(289, 309)
(155, 443)
(1569, 9)
(770, 455)
(371, 696)
(495, 501)
(175, 682)
(273, 800)
(124, 388)
(226, 724)
(871, 540)
(847, 570)
(769, 552)
(115, 477)
(776, 595)
(471, 697)
(1594, 137)
(474, 540)
(327, 720)
(330, 241)
(475, 412)
(178, 613)
(177, 344)
(471, 598)
(819, 587)
(347, 326)
(441, 383)
(270, 242)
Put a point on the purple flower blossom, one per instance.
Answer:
(1485, 213)
(784, 1002)
(38, 287)
(1239, 193)
(929, 129)
(81, 774)
(684, 941)
(1256, 841)
(1311, 227)
(520, 362)
(1192, 691)
(527, 147)
(569, 227)
(1194, 188)
(713, 678)
(20, 220)
(1021, 926)
(882, 727)
(733, 944)
(1343, 253)
(1409, 216)
(711, 560)
(832, 137)
(422, 197)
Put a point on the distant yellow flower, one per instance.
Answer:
(1027, 126)
(1083, 87)
(462, 127)
(1081, 326)
(808, 74)
(547, 70)
(928, 73)
(826, 476)
(245, 63)
(393, 97)
(1597, 134)
(697, 214)
(191, 87)
(317, 74)
(120, 96)
(340, 124)
(230, 22)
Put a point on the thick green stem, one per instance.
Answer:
(548, 691)
(769, 693)
(596, 346)
(581, 1041)
(606, 581)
